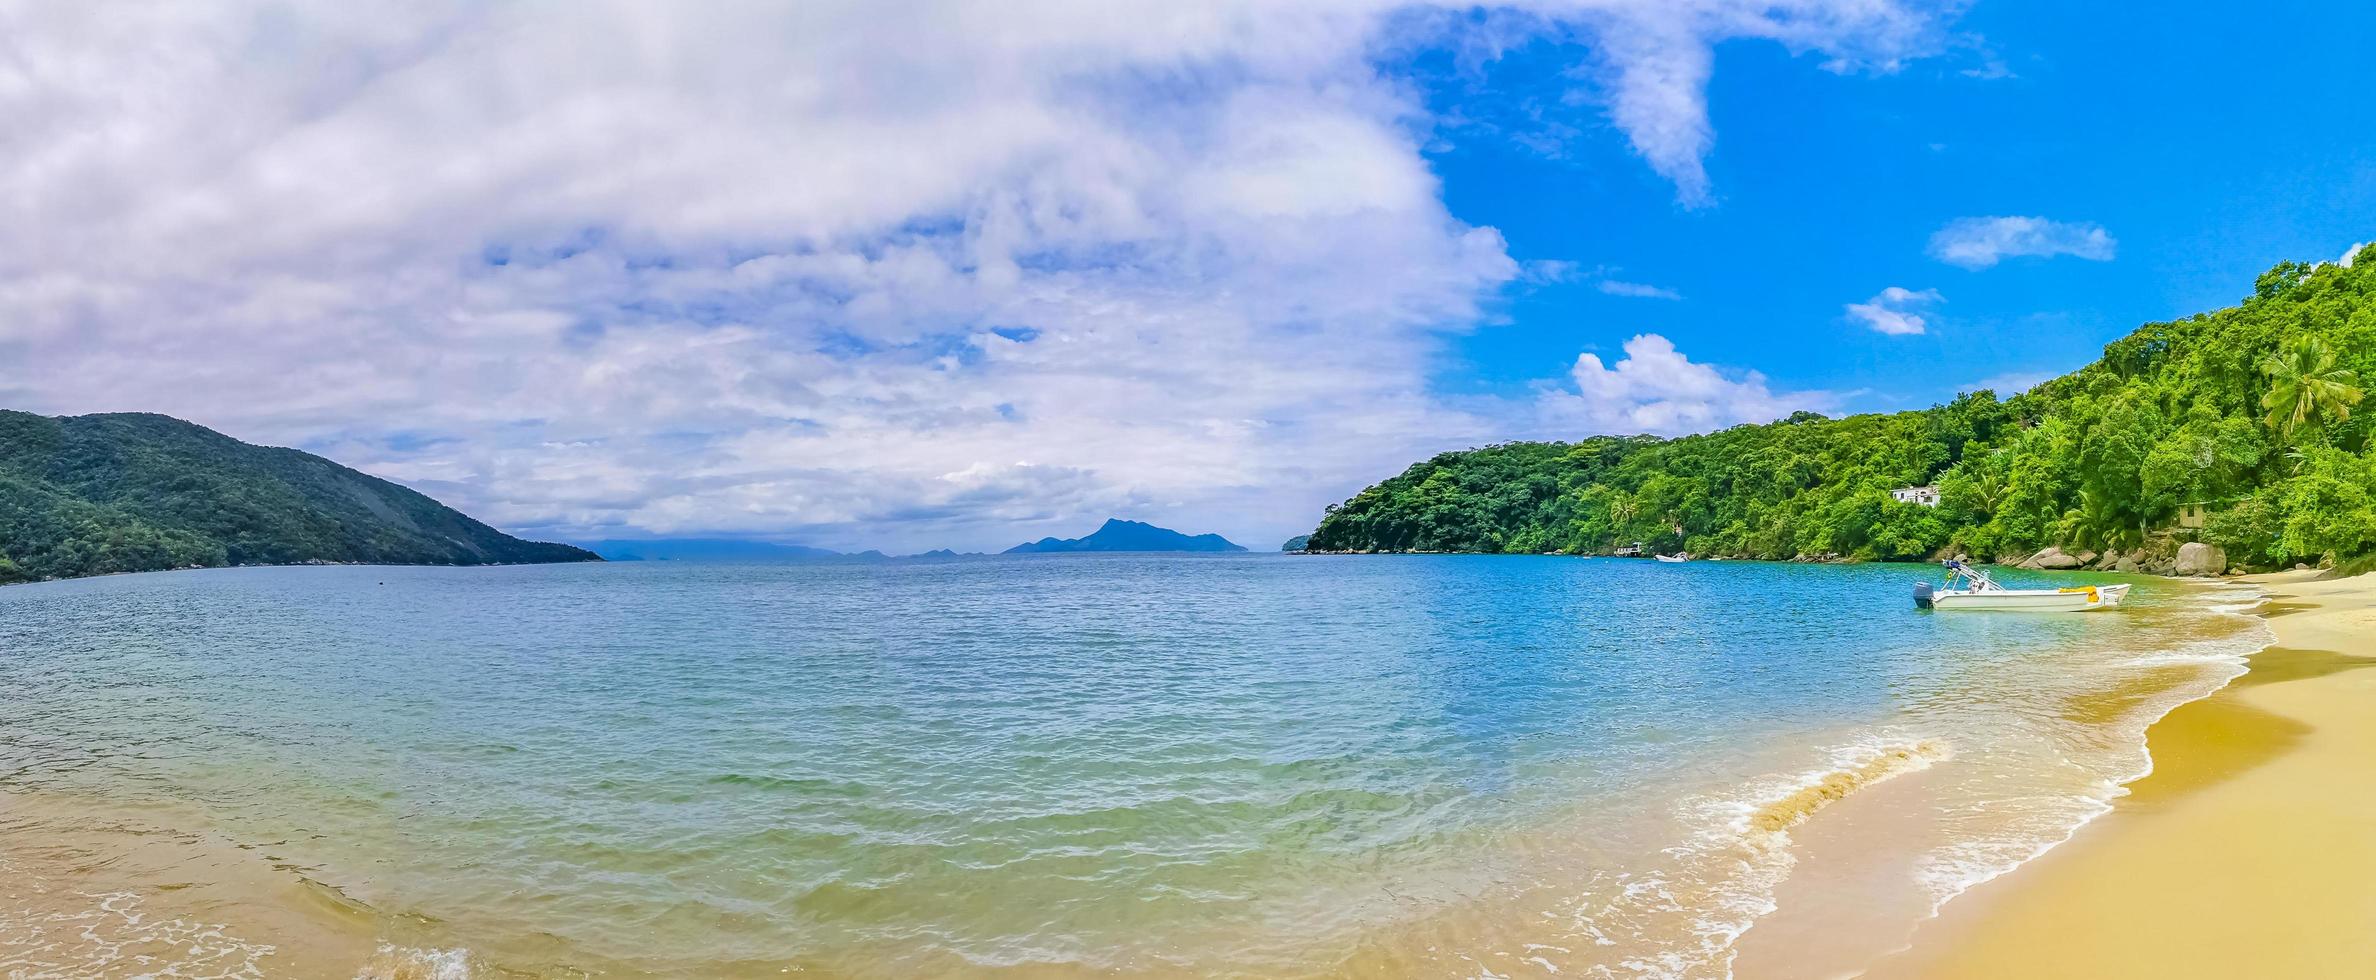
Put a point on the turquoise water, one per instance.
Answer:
(1259, 765)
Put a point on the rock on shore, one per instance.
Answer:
(2197, 558)
(2054, 559)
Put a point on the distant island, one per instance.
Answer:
(96, 494)
(1121, 535)
(733, 550)
(1299, 542)
(705, 549)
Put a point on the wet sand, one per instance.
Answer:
(2249, 852)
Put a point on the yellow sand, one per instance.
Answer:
(2250, 851)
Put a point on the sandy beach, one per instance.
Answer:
(2250, 850)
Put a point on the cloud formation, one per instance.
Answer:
(960, 276)
(1896, 310)
(1655, 389)
(1977, 243)
(1637, 290)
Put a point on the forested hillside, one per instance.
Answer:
(2249, 410)
(92, 494)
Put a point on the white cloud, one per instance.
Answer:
(1561, 270)
(1655, 389)
(1548, 270)
(1616, 287)
(1977, 243)
(1895, 311)
(801, 269)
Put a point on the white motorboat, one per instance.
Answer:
(1686, 556)
(1971, 588)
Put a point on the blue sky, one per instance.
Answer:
(2208, 143)
(982, 273)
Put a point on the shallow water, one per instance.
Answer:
(1208, 765)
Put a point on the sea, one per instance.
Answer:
(1050, 766)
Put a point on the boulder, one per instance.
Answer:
(2054, 559)
(2197, 558)
(2127, 563)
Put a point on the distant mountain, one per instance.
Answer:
(1121, 535)
(93, 494)
(739, 550)
(1297, 543)
(706, 549)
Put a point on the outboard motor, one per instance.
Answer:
(1922, 595)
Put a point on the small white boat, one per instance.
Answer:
(1971, 588)
(1685, 556)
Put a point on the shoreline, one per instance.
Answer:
(2244, 852)
(308, 563)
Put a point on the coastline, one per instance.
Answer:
(2244, 853)
(308, 563)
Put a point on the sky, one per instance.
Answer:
(909, 275)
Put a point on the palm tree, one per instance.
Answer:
(2303, 381)
(1621, 515)
(2099, 523)
(1623, 510)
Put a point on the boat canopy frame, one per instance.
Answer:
(1979, 580)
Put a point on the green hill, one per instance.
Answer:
(2247, 411)
(92, 494)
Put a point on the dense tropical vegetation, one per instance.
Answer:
(2246, 412)
(93, 494)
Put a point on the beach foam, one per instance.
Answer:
(1680, 916)
(115, 934)
(407, 963)
(1957, 868)
(2251, 838)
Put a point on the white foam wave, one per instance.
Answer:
(2237, 600)
(116, 934)
(407, 963)
(1954, 869)
(1685, 915)
(2215, 651)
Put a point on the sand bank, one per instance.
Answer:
(2250, 851)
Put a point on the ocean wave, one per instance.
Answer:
(1952, 870)
(1684, 917)
(1853, 768)
(116, 932)
(2236, 600)
(407, 963)
(2235, 651)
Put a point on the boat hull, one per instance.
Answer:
(2032, 600)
